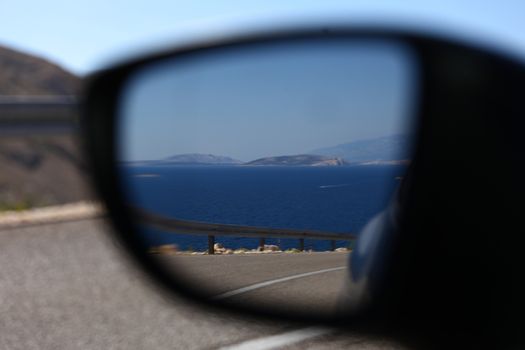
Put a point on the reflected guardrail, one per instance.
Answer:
(38, 114)
(213, 229)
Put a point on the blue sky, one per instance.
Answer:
(82, 34)
(268, 100)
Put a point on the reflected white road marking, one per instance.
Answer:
(279, 340)
(268, 283)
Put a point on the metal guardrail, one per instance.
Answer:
(38, 114)
(213, 229)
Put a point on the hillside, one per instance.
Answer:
(45, 169)
(23, 74)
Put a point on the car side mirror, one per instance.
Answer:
(321, 173)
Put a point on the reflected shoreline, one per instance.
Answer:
(172, 249)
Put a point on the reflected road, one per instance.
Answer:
(295, 282)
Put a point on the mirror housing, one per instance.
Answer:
(444, 272)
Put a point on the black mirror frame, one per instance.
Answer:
(391, 311)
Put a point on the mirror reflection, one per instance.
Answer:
(253, 169)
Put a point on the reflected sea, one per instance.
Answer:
(337, 199)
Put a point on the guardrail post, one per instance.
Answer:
(211, 244)
(262, 242)
(301, 244)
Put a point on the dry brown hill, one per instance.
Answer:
(38, 170)
(23, 74)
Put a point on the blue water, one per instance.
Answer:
(338, 199)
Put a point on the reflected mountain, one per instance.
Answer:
(188, 159)
(382, 151)
(199, 158)
(377, 150)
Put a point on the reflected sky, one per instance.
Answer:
(267, 100)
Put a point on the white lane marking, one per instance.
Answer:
(279, 340)
(267, 283)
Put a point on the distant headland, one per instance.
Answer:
(298, 160)
(387, 150)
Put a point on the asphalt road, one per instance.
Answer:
(300, 282)
(67, 286)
